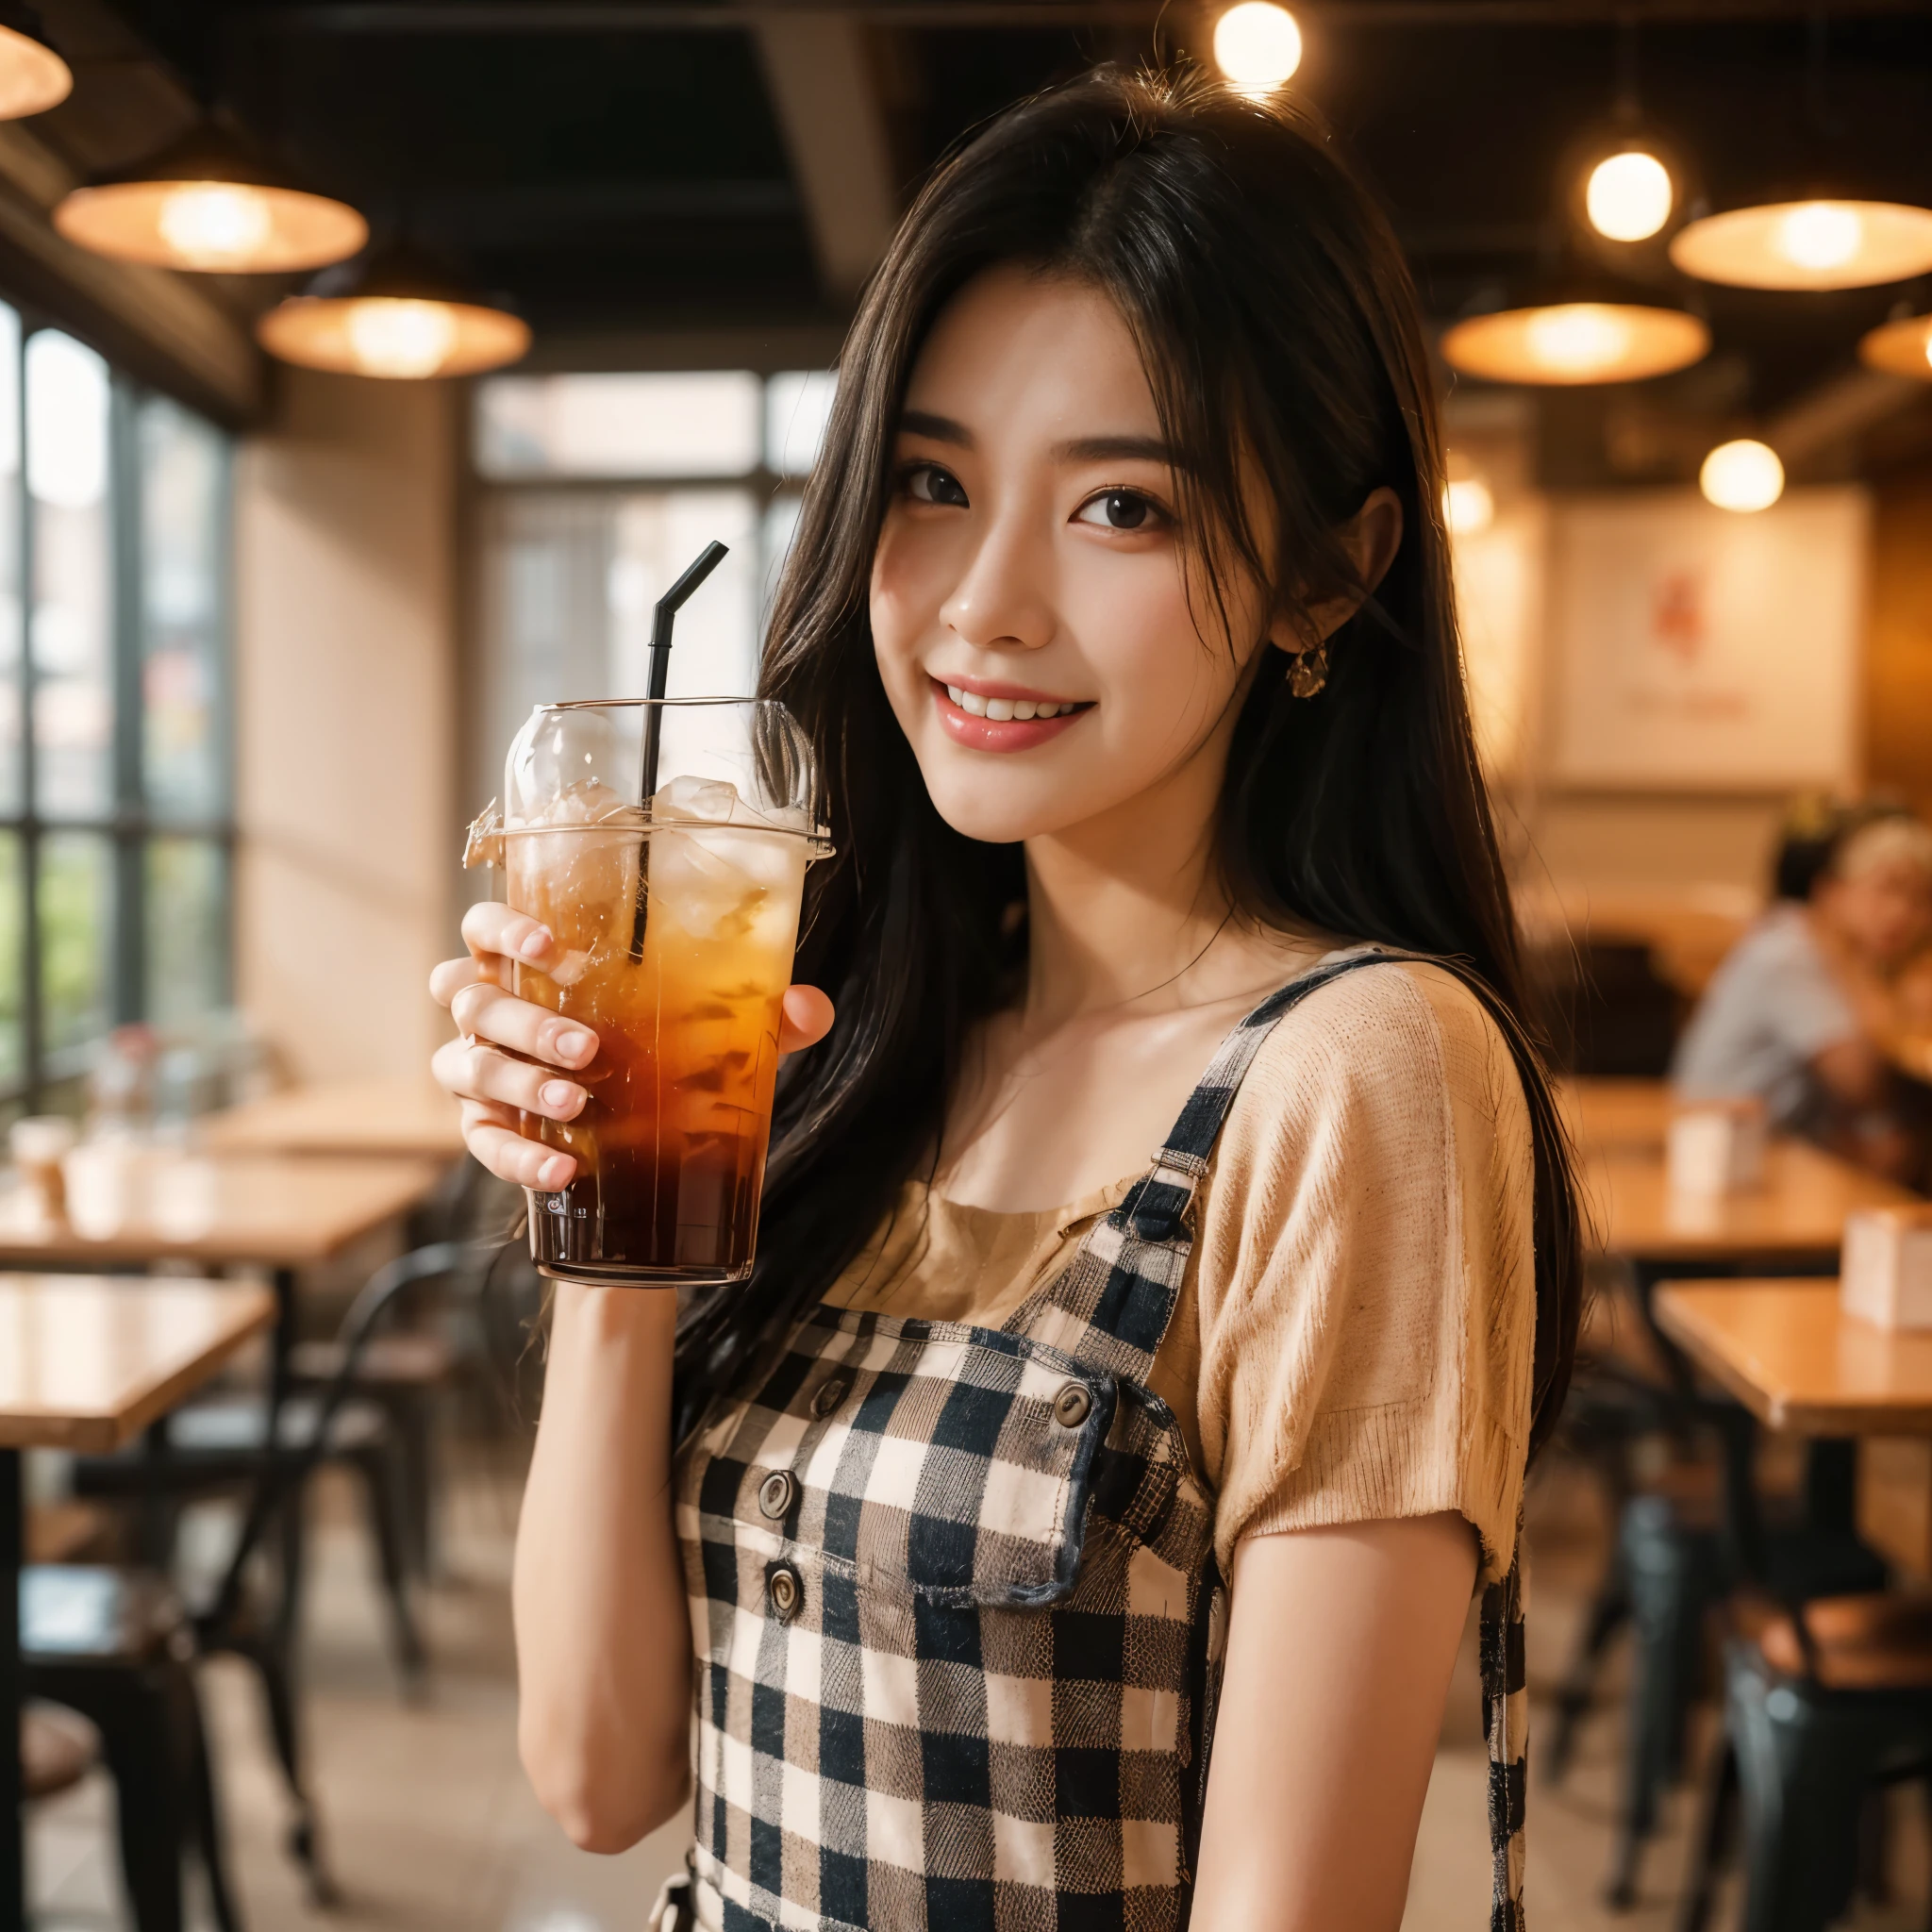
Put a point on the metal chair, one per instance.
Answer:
(116, 1646)
(1824, 1702)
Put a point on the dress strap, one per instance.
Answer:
(1506, 1731)
(1111, 1304)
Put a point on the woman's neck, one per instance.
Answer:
(1129, 906)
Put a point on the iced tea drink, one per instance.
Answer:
(677, 921)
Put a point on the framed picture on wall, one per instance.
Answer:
(1698, 649)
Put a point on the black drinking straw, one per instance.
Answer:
(662, 618)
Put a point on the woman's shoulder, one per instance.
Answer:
(1389, 1065)
(1404, 1024)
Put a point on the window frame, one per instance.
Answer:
(481, 761)
(130, 825)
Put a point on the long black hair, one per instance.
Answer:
(1280, 334)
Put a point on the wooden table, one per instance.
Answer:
(1791, 1224)
(1797, 1361)
(87, 1363)
(365, 1117)
(1607, 1116)
(285, 1211)
(1797, 1213)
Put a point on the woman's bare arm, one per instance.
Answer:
(603, 1633)
(1338, 1653)
(603, 1654)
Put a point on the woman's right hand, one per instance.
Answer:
(492, 1087)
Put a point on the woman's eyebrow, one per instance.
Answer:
(940, 428)
(1114, 449)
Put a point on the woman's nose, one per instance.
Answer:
(1003, 601)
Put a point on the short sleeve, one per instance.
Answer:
(1366, 1286)
(1799, 999)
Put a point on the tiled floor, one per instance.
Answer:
(431, 1827)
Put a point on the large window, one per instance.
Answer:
(600, 489)
(115, 827)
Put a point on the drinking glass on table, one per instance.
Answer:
(674, 909)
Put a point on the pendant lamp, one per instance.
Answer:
(209, 202)
(1742, 476)
(32, 77)
(1817, 244)
(1257, 46)
(1629, 194)
(1901, 348)
(1568, 344)
(394, 314)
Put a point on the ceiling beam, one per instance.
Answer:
(622, 16)
(821, 85)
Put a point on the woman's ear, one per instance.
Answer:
(1371, 539)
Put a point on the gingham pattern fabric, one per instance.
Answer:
(957, 1612)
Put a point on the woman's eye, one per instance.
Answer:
(1119, 509)
(928, 483)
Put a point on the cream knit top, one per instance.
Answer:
(1354, 1337)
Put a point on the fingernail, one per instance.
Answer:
(558, 1094)
(534, 945)
(573, 1045)
(555, 1171)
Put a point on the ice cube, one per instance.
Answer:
(699, 888)
(576, 866)
(729, 882)
(712, 800)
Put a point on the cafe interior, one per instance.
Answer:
(369, 369)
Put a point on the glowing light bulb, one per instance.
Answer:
(1577, 336)
(1467, 505)
(215, 225)
(1257, 46)
(1628, 196)
(1742, 476)
(1820, 235)
(388, 336)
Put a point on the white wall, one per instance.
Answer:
(347, 722)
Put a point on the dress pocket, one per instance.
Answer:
(924, 1459)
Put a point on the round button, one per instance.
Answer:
(829, 1397)
(1073, 1405)
(784, 1592)
(776, 1493)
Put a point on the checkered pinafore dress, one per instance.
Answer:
(957, 1617)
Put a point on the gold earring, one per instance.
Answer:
(1308, 671)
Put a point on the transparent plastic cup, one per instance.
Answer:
(678, 917)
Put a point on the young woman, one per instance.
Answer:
(1168, 1263)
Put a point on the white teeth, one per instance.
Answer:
(1000, 709)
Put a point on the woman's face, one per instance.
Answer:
(1030, 562)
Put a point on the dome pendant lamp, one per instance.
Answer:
(393, 314)
(32, 77)
(1568, 343)
(1830, 236)
(209, 202)
(1819, 244)
(1900, 347)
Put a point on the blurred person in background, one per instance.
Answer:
(1803, 1011)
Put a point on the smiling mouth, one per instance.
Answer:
(1011, 711)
